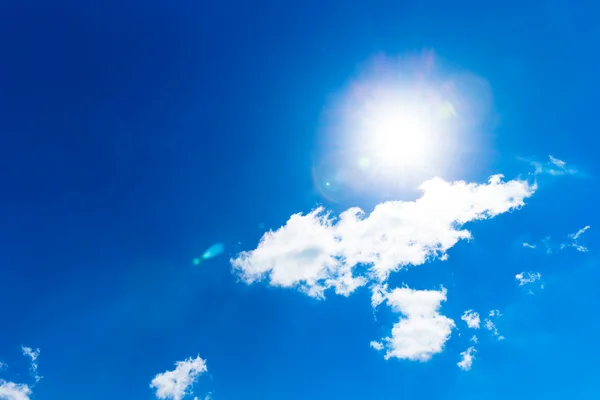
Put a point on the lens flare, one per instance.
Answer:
(213, 251)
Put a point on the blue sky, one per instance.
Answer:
(134, 136)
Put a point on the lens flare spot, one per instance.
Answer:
(213, 251)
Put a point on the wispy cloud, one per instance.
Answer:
(574, 237)
(491, 326)
(33, 354)
(554, 167)
(551, 246)
(525, 278)
(580, 232)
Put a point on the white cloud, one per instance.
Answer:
(174, 384)
(471, 318)
(494, 313)
(14, 391)
(527, 277)
(474, 339)
(3, 366)
(33, 354)
(574, 238)
(528, 245)
(422, 331)
(557, 162)
(580, 232)
(467, 358)
(376, 345)
(489, 325)
(316, 252)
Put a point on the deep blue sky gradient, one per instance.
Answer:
(134, 135)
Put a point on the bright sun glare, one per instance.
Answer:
(401, 129)
(397, 126)
(397, 132)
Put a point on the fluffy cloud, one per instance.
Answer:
(174, 384)
(471, 318)
(33, 354)
(422, 331)
(467, 358)
(527, 277)
(315, 252)
(13, 391)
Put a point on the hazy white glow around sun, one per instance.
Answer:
(401, 122)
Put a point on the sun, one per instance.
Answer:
(398, 124)
(397, 132)
(400, 130)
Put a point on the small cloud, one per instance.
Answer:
(557, 162)
(527, 277)
(376, 345)
(491, 326)
(553, 167)
(529, 246)
(422, 331)
(580, 232)
(474, 339)
(175, 384)
(3, 366)
(33, 354)
(471, 318)
(467, 359)
(574, 240)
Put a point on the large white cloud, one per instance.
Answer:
(422, 330)
(13, 391)
(175, 384)
(315, 251)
